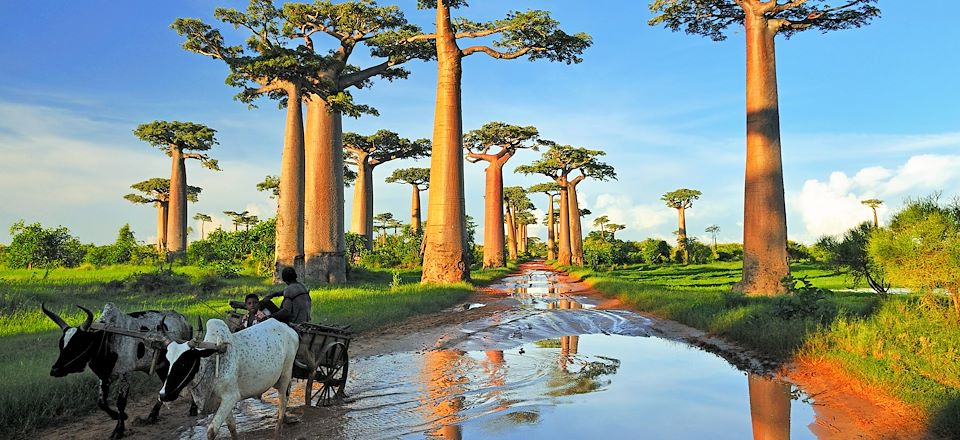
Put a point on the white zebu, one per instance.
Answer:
(228, 367)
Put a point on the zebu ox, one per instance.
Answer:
(227, 367)
(112, 356)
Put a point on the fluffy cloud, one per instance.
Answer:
(639, 218)
(831, 207)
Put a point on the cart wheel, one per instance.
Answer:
(333, 377)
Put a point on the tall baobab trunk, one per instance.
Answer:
(176, 236)
(361, 221)
(522, 245)
(764, 210)
(161, 226)
(769, 408)
(551, 253)
(511, 233)
(564, 257)
(289, 246)
(682, 234)
(415, 209)
(323, 241)
(445, 259)
(876, 222)
(493, 217)
(576, 234)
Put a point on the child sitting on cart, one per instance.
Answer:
(254, 313)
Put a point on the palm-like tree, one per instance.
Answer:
(203, 219)
(874, 204)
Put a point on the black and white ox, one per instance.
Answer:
(112, 356)
(228, 367)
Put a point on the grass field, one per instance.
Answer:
(907, 345)
(31, 398)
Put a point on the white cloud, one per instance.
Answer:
(639, 218)
(831, 207)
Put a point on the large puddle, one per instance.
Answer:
(550, 367)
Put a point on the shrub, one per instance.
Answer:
(36, 246)
(729, 252)
(655, 251)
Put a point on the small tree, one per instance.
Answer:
(713, 230)
(515, 201)
(850, 253)
(681, 200)
(34, 246)
(238, 218)
(552, 190)
(873, 204)
(203, 219)
(366, 153)
(419, 181)
(157, 192)
(180, 141)
(495, 143)
(612, 228)
(600, 223)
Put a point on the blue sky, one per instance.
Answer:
(871, 112)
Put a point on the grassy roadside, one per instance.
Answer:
(30, 398)
(906, 345)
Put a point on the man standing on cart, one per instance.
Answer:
(295, 308)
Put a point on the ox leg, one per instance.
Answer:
(121, 409)
(283, 389)
(227, 403)
(193, 407)
(154, 415)
(232, 426)
(103, 395)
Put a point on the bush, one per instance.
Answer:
(655, 251)
(154, 282)
(699, 252)
(730, 252)
(35, 246)
(802, 301)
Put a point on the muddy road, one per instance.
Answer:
(538, 355)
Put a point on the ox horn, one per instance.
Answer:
(86, 323)
(199, 334)
(54, 317)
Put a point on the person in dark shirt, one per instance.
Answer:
(296, 304)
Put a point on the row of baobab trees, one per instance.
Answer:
(283, 59)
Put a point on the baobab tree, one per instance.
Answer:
(600, 223)
(713, 230)
(873, 204)
(612, 228)
(558, 163)
(515, 201)
(681, 200)
(268, 65)
(764, 209)
(203, 219)
(345, 26)
(271, 184)
(532, 34)
(552, 190)
(237, 218)
(419, 180)
(495, 143)
(157, 191)
(180, 141)
(523, 220)
(366, 153)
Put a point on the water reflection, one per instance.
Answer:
(445, 387)
(769, 408)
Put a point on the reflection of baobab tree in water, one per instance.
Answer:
(769, 408)
(444, 392)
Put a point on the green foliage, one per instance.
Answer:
(850, 253)
(655, 251)
(730, 252)
(394, 250)
(681, 198)
(123, 251)
(699, 252)
(711, 18)
(35, 246)
(798, 252)
(253, 248)
(157, 190)
(382, 146)
(509, 139)
(801, 301)
(560, 160)
(411, 176)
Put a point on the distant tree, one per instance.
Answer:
(419, 180)
(681, 200)
(383, 221)
(180, 141)
(495, 143)
(203, 219)
(612, 228)
(533, 34)
(713, 230)
(366, 153)
(764, 214)
(873, 204)
(557, 163)
(272, 184)
(157, 192)
(523, 220)
(600, 223)
(238, 218)
(515, 201)
(552, 190)
(921, 247)
(34, 246)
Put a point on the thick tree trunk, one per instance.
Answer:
(289, 246)
(415, 210)
(769, 408)
(323, 242)
(551, 253)
(876, 222)
(445, 253)
(764, 210)
(576, 233)
(493, 217)
(177, 210)
(161, 226)
(511, 234)
(361, 222)
(564, 257)
(682, 234)
(522, 245)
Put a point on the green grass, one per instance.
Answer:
(30, 398)
(907, 345)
